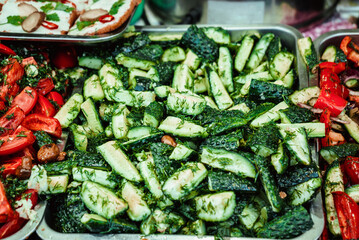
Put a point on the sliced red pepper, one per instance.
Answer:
(333, 102)
(10, 166)
(325, 118)
(351, 167)
(11, 120)
(28, 61)
(57, 98)
(12, 226)
(6, 50)
(106, 18)
(334, 67)
(13, 71)
(17, 141)
(344, 45)
(354, 57)
(6, 211)
(330, 82)
(49, 25)
(44, 86)
(348, 215)
(26, 100)
(44, 107)
(67, 1)
(37, 122)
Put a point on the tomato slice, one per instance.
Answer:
(6, 212)
(11, 227)
(28, 61)
(37, 122)
(13, 71)
(13, 90)
(57, 98)
(29, 194)
(2, 106)
(17, 141)
(44, 107)
(44, 86)
(11, 120)
(64, 57)
(26, 100)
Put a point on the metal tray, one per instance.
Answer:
(334, 38)
(85, 40)
(30, 226)
(289, 37)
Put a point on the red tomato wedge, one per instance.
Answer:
(11, 120)
(37, 122)
(17, 141)
(44, 86)
(57, 98)
(11, 227)
(2, 106)
(13, 90)
(44, 107)
(6, 211)
(26, 100)
(13, 71)
(28, 61)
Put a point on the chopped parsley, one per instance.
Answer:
(53, 17)
(115, 7)
(15, 20)
(62, 7)
(83, 24)
(46, 8)
(10, 116)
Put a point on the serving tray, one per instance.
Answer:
(289, 37)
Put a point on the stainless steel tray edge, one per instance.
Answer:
(334, 37)
(30, 226)
(285, 32)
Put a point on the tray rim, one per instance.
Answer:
(44, 231)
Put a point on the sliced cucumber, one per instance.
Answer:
(69, 111)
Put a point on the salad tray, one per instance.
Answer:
(289, 37)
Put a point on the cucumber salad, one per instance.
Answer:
(190, 133)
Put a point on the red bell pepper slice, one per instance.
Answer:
(12, 226)
(44, 86)
(334, 67)
(37, 122)
(106, 18)
(351, 167)
(354, 57)
(330, 82)
(6, 50)
(17, 141)
(11, 120)
(26, 100)
(325, 118)
(6, 211)
(10, 166)
(344, 45)
(44, 107)
(348, 215)
(13, 71)
(333, 102)
(49, 25)
(57, 98)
